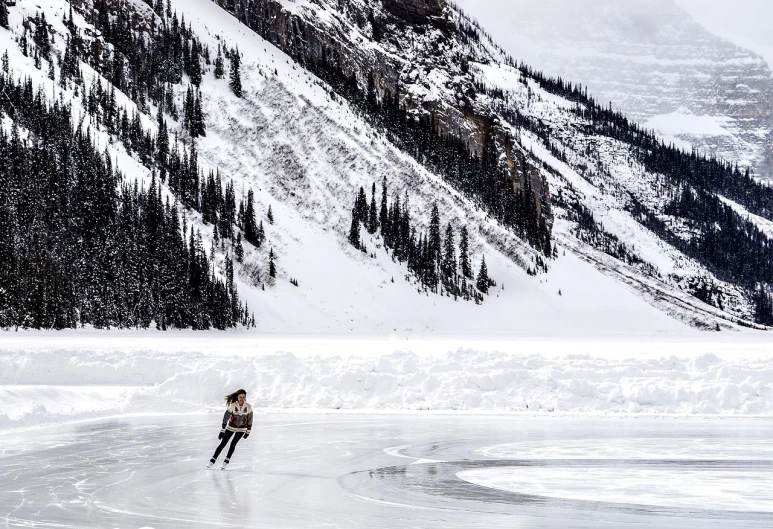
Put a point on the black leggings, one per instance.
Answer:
(226, 436)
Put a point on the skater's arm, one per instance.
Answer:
(249, 422)
(226, 418)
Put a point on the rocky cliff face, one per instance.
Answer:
(415, 11)
(652, 61)
(409, 48)
(304, 152)
(615, 199)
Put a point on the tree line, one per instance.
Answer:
(476, 173)
(734, 249)
(478, 176)
(65, 272)
(431, 256)
(78, 246)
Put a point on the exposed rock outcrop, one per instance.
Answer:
(415, 11)
(413, 51)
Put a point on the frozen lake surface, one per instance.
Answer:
(347, 470)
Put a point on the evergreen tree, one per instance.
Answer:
(361, 206)
(394, 226)
(41, 37)
(483, 282)
(239, 249)
(354, 230)
(195, 65)
(434, 236)
(405, 230)
(198, 127)
(250, 227)
(271, 265)
(372, 217)
(23, 42)
(449, 256)
(383, 212)
(4, 15)
(464, 254)
(229, 273)
(270, 215)
(68, 21)
(236, 78)
(219, 68)
(188, 111)
(162, 146)
(261, 233)
(763, 302)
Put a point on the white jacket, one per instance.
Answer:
(238, 418)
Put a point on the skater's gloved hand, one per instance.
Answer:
(220, 435)
(246, 435)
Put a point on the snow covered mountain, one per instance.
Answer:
(444, 65)
(652, 61)
(584, 226)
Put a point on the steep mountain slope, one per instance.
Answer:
(652, 61)
(444, 66)
(304, 152)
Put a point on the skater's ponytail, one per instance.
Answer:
(233, 396)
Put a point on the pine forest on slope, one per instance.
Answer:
(518, 154)
(732, 249)
(80, 246)
(141, 266)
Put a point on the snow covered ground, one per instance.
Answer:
(326, 470)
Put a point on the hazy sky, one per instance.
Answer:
(748, 23)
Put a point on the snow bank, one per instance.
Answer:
(63, 383)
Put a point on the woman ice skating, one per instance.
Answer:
(237, 423)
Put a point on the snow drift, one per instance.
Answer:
(57, 383)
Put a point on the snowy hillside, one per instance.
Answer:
(521, 111)
(601, 175)
(305, 152)
(651, 60)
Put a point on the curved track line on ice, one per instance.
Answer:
(396, 452)
(682, 485)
